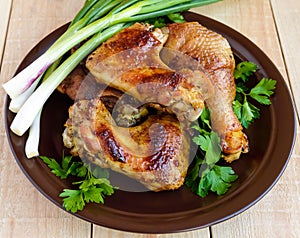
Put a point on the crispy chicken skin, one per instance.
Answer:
(214, 54)
(130, 62)
(155, 152)
(135, 46)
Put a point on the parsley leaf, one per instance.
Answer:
(157, 22)
(218, 179)
(176, 17)
(211, 145)
(57, 169)
(73, 200)
(81, 170)
(202, 141)
(98, 172)
(92, 188)
(160, 22)
(193, 174)
(221, 178)
(204, 184)
(205, 119)
(93, 194)
(244, 69)
(213, 152)
(263, 90)
(245, 111)
(204, 175)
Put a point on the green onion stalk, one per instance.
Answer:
(125, 11)
(32, 142)
(85, 16)
(97, 21)
(23, 119)
(24, 80)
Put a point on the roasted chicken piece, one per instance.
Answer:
(130, 62)
(155, 152)
(213, 53)
(71, 84)
(80, 84)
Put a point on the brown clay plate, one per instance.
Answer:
(271, 140)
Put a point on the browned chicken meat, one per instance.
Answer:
(161, 161)
(195, 68)
(155, 152)
(79, 85)
(213, 53)
(130, 62)
(71, 84)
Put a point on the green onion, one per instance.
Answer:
(83, 11)
(17, 102)
(32, 142)
(22, 81)
(125, 11)
(29, 116)
(97, 21)
(27, 113)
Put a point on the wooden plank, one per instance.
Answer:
(262, 32)
(287, 19)
(277, 214)
(4, 18)
(270, 217)
(254, 20)
(25, 212)
(100, 232)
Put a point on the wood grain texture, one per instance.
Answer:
(254, 20)
(100, 232)
(4, 19)
(287, 18)
(277, 214)
(25, 212)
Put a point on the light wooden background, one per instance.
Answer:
(272, 24)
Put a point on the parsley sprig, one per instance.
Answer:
(261, 92)
(92, 187)
(160, 22)
(205, 175)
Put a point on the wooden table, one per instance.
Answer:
(272, 24)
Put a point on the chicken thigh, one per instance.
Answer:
(130, 62)
(155, 152)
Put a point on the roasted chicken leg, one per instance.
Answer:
(212, 51)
